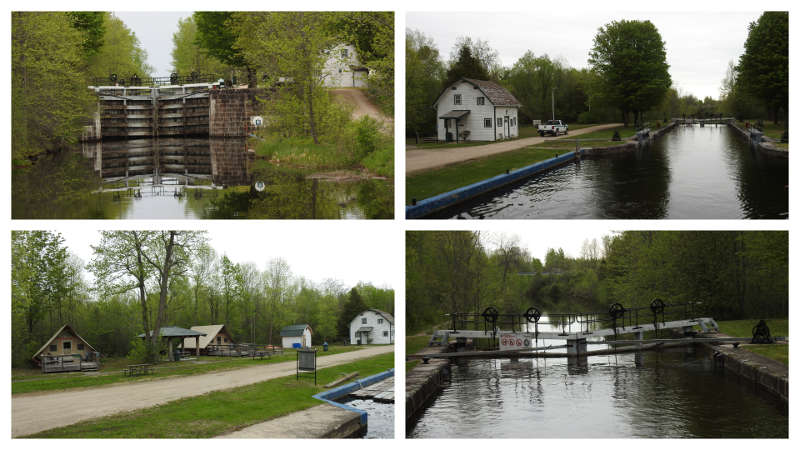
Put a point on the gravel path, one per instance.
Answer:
(419, 160)
(35, 412)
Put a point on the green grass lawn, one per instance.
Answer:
(32, 380)
(744, 328)
(770, 129)
(433, 182)
(221, 412)
(413, 345)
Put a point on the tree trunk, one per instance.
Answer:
(310, 101)
(164, 285)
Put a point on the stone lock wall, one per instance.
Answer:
(231, 161)
(230, 111)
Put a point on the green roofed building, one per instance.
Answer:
(293, 336)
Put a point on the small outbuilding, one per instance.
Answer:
(372, 326)
(294, 335)
(178, 334)
(343, 68)
(215, 336)
(65, 351)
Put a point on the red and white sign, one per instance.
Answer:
(514, 341)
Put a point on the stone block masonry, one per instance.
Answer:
(230, 111)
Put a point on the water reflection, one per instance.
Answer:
(672, 393)
(184, 178)
(690, 172)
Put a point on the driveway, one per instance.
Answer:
(35, 412)
(362, 106)
(419, 160)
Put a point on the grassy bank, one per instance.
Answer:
(32, 380)
(770, 129)
(413, 345)
(744, 328)
(437, 181)
(221, 412)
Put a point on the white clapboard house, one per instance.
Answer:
(476, 110)
(372, 326)
(343, 69)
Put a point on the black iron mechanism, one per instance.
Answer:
(532, 315)
(616, 311)
(657, 306)
(761, 334)
(490, 315)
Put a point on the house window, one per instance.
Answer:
(80, 346)
(363, 320)
(53, 347)
(513, 121)
(380, 321)
(456, 99)
(487, 123)
(67, 345)
(219, 340)
(499, 122)
(385, 334)
(344, 53)
(479, 100)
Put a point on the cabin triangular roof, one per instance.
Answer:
(211, 331)
(294, 330)
(496, 94)
(55, 335)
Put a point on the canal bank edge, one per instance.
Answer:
(764, 144)
(423, 382)
(332, 420)
(763, 372)
(430, 205)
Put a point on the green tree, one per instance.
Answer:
(187, 56)
(91, 24)
(470, 59)
(631, 63)
(49, 99)
(121, 52)
(424, 76)
(764, 66)
(295, 46)
(217, 33)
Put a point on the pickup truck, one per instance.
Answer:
(553, 127)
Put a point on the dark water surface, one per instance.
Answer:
(66, 186)
(672, 393)
(691, 172)
(380, 418)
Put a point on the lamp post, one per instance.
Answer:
(553, 99)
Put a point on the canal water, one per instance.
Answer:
(691, 172)
(69, 186)
(380, 417)
(670, 393)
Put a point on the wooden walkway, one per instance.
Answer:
(382, 391)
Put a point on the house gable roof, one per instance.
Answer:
(55, 335)
(389, 318)
(211, 331)
(496, 94)
(294, 330)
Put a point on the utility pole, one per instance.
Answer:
(553, 98)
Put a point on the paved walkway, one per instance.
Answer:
(35, 412)
(419, 160)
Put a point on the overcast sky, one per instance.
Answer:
(155, 30)
(699, 44)
(346, 254)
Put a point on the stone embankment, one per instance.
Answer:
(424, 381)
(763, 372)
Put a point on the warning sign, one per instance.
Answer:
(514, 341)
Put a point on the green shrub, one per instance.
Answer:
(367, 137)
(138, 353)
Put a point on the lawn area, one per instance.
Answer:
(413, 345)
(32, 380)
(433, 182)
(439, 146)
(744, 328)
(770, 129)
(221, 412)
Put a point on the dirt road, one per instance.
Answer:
(32, 413)
(362, 106)
(425, 159)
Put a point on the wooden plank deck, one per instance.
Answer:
(382, 391)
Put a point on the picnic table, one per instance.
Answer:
(134, 370)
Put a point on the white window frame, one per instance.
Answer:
(363, 321)
(487, 122)
(499, 122)
(456, 99)
(480, 101)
